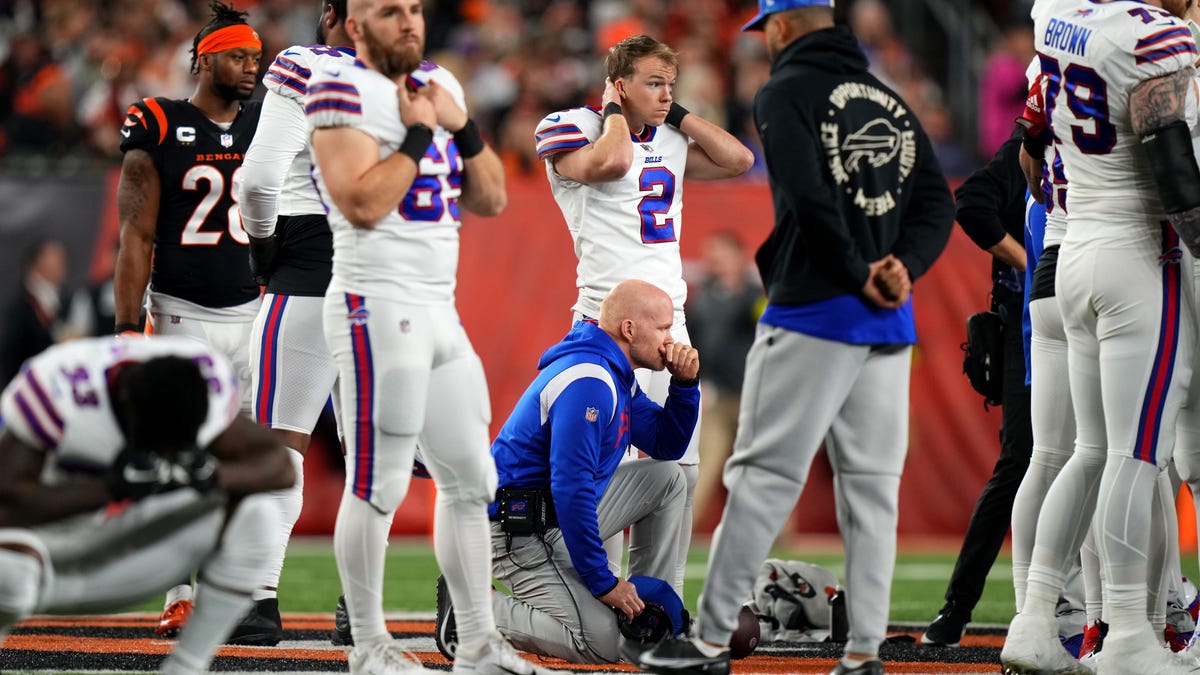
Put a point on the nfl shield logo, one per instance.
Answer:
(591, 414)
(226, 140)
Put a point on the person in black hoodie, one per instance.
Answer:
(861, 210)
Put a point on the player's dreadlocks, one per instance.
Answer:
(223, 15)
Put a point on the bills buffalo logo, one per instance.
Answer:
(359, 316)
(1172, 256)
(877, 143)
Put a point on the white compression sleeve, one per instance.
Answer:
(282, 134)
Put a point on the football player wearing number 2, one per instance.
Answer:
(1117, 76)
(176, 207)
(617, 174)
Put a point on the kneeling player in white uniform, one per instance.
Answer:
(150, 424)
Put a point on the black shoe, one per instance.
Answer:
(260, 627)
(874, 667)
(445, 631)
(682, 657)
(948, 628)
(340, 635)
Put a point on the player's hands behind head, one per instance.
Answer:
(450, 116)
(611, 94)
(682, 361)
(416, 108)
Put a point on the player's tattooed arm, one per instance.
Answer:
(1157, 109)
(1155, 103)
(137, 210)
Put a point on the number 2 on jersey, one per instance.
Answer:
(661, 182)
(192, 234)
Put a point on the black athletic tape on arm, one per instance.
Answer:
(468, 140)
(416, 142)
(1035, 146)
(1173, 162)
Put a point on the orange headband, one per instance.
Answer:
(229, 37)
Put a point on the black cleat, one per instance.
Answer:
(340, 635)
(445, 631)
(260, 627)
(948, 628)
(681, 657)
(873, 667)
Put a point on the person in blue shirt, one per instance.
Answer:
(561, 447)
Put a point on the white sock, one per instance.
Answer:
(360, 539)
(462, 543)
(177, 593)
(290, 503)
(691, 473)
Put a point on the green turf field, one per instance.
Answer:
(310, 581)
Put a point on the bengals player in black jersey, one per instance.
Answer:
(181, 230)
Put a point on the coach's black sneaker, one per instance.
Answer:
(948, 628)
(445, 631)
(340, 635)
(260, 627)
(872, 667)
(682, 657)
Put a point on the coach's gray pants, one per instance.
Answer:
(799, 391)
(553, 613)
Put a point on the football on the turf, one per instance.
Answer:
(744, 640)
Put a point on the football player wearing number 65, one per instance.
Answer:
(396, 157)
(617, 174)
(176, 206)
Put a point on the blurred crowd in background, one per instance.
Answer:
(70, 68)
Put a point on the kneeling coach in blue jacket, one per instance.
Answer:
(563, 489)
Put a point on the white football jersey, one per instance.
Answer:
(59, 402)
(412, 254)
(624, 229)
(288, 76)
(1092, 55)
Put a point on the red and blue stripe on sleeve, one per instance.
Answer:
(287, 73)
(340, 96)
(1164, 44)
(558, 138)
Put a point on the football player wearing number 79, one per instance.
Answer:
(617, 174)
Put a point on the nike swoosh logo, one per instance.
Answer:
(291, 53)
(555, 118)
(335, 73)
(125, 133)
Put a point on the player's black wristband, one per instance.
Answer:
(612, 108)
(685, 383)
(1033, 145)
(676, 114)
(468, 140)
(416, 142)
(126, 328)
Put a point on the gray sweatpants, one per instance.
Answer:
(800, 391)
(553, 613)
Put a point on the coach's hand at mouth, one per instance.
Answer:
(683, 362)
